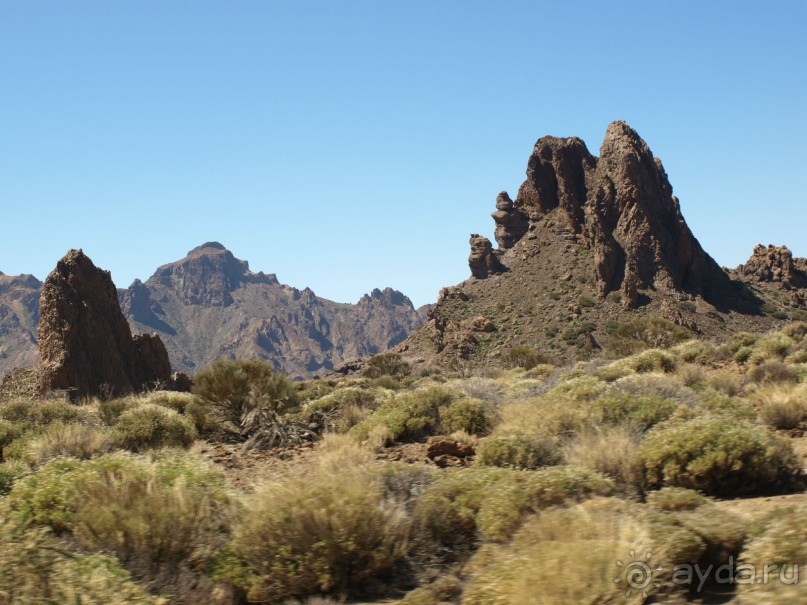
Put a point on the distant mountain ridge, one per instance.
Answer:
(209, 305)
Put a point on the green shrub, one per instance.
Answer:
(518, 452)
(645, 333)
(640, 413)
(10, 472)
(387, 364)
(233, 389)
(41, 413)
(153, 426)
(409, 416)
(469, 415)
(504, 510)
(151, 514)
(36, 568)
(111, 409)
(524, 357)
(9, 432)
(717, 455)
(333, 534)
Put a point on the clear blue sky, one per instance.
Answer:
(356, 144)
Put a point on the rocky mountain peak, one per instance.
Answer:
(620, 206)
(208, 275)
(387, 297)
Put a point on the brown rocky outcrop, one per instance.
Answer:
(773, 264)
(511, 223)
(85, 343)
(483, 260)
(589, 243)
(622, 204)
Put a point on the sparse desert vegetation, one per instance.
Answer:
(132, 500)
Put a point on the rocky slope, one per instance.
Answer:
(210, 305)
(588, 243)
(19, 317)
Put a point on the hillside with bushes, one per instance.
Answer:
(524, 483)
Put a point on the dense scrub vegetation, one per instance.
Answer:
(572, 470)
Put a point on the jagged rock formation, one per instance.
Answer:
(588, 242)
(483, 261)
(85, 343)
(774, 264)
(19, 317)
(511, 223)
(209, 305)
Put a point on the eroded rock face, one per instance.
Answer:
(483, 261)
(511, 223)
(622, 206)
(85, 343)
(773, 264)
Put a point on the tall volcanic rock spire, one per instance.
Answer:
(588, 242)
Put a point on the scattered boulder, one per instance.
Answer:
(85, 343)
(483, 261)
(480, 323)
(447, 451)
(511, 223)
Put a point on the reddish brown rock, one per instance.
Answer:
(447, 446)
(511, 223)
(483, 260)
(773, 264)
(85, 343)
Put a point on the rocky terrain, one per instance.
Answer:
(19, 316)
(590, 243)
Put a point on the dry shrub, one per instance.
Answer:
(476, 387)
(153, 426)
(636, 412)
(665, 386)
(691, 374)
(718, 455)
(172, 400)
(726, 381)
(645, 333)
(67, 440)
(612, 452)
(561, 556)
(782, 407)
(672, 499)
(329, 533)
(782, 549)
(773, 372)
(524, 357)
